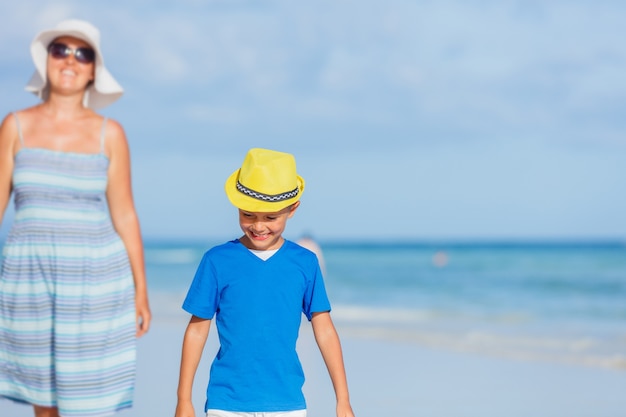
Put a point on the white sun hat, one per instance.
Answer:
(102, 92)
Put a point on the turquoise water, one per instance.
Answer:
(545, 301)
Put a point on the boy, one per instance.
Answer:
(257, 287)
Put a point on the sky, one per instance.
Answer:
(417, 120)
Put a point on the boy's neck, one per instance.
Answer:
(264, 254)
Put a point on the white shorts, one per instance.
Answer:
(221, 413)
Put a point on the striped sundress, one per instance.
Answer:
(67, 313)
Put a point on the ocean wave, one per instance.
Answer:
(171, 256)
(515, 340)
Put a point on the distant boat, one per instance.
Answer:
(440, 259)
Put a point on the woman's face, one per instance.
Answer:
(70, 65)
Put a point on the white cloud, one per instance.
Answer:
(213, 114)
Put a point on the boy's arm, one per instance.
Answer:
(193, 345)
(330, 347)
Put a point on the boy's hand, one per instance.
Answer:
(184, 409)
(344, 410)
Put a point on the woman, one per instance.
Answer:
(73, 294)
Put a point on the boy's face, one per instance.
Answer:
(263, 231)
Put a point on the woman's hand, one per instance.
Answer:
(144, 316)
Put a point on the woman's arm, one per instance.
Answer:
(8, 134)
(124, 217)
(328, 341)
(193, 345)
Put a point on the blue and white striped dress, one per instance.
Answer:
(67, 313)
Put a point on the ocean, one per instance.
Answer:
(549, 301)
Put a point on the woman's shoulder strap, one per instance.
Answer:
(19, 128)
(103, 134)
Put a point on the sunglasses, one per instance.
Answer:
(60, 50)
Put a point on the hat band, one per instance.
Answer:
(267, 197)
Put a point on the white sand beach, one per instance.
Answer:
(392, 378)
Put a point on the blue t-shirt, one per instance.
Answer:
(258, 306)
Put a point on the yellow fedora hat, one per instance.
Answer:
(266, 182)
